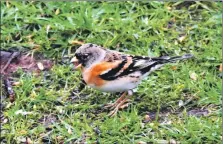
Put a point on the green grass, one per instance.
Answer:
(139, 28)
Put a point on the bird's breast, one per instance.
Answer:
(92, 78)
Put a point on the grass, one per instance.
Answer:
(49, 108)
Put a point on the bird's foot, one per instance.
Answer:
(122, 104)
(113, 105)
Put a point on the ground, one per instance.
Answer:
(180, 102)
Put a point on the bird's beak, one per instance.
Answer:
(76, 63)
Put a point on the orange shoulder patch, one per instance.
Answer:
(91, 76)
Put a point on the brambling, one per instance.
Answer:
(112, 71)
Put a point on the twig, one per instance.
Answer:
(12, 56)
(9, 89)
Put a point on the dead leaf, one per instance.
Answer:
(28, 141)
(40, 65)
(57, 12)
(60, 109)
(16, 83)
(59, 138)
(7, 4)
(5, 121)
(141, 142)
(8, 105)
(182, 38)
(21, 139)
(33, 94)
(23, 132)
(162, 141)
(29, 36)
(174, 67)
(193, 76)
(175, 42)
(220, 68)
(47, 29)
(76, 42)
(181, 103)
(69, 131)
(23, 112)
(172, 141)
(36, 46)
(203, 73)
(142, 125)
(165, 29)
(169, 8)
(147, 118)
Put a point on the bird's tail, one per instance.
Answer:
(160, 61)
(167, 59)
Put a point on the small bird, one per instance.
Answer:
(112, 71)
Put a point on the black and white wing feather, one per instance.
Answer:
(131, 65)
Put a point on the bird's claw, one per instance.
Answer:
(116, 106)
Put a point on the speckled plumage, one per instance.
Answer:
(112, 71)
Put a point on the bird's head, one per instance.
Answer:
(87, 55)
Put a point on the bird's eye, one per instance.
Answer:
(85, 56)
(82, 56)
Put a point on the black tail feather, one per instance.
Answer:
(162, 60)
(167, 59)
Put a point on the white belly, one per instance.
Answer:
(119, 85)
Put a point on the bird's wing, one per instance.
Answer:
(118, 64)
(128, 64)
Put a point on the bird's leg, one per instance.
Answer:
(113, 105)
(120, 105)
